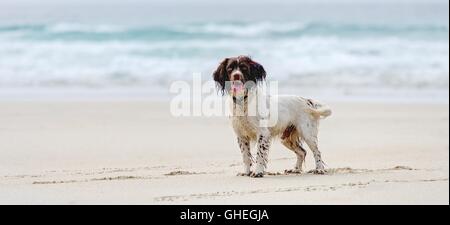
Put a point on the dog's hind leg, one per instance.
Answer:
(309, 133)
(244, 145)
(312, 143)
(291, 141)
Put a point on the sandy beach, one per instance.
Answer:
(135, 152)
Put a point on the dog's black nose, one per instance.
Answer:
(236, 77)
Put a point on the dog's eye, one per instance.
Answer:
(243, 68)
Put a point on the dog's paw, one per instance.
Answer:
(318, 171)
(244, 174)
(293, 171)
(257, 175)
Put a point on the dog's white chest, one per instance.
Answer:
(244, 126)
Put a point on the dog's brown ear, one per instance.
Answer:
(257, 71)
(220, 75)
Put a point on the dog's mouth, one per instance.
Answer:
(237, 87)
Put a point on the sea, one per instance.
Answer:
(338, 49)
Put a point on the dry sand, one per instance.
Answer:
(137, 153)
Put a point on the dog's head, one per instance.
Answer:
(237, 74)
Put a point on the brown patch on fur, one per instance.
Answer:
(287, 133)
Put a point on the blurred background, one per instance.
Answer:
(344, 49)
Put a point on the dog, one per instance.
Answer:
(297, 123)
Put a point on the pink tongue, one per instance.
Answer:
(237, 87)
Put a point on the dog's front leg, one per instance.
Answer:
(244, 145)
(263, 146)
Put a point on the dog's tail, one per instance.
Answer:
(321, 112)
(318, 109)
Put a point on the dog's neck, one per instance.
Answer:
(240, 105)
(240, 100)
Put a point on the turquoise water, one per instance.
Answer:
(377, 46)
(219, 31)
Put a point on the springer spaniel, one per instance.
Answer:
(297, 122)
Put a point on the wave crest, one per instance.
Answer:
(102, 32)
